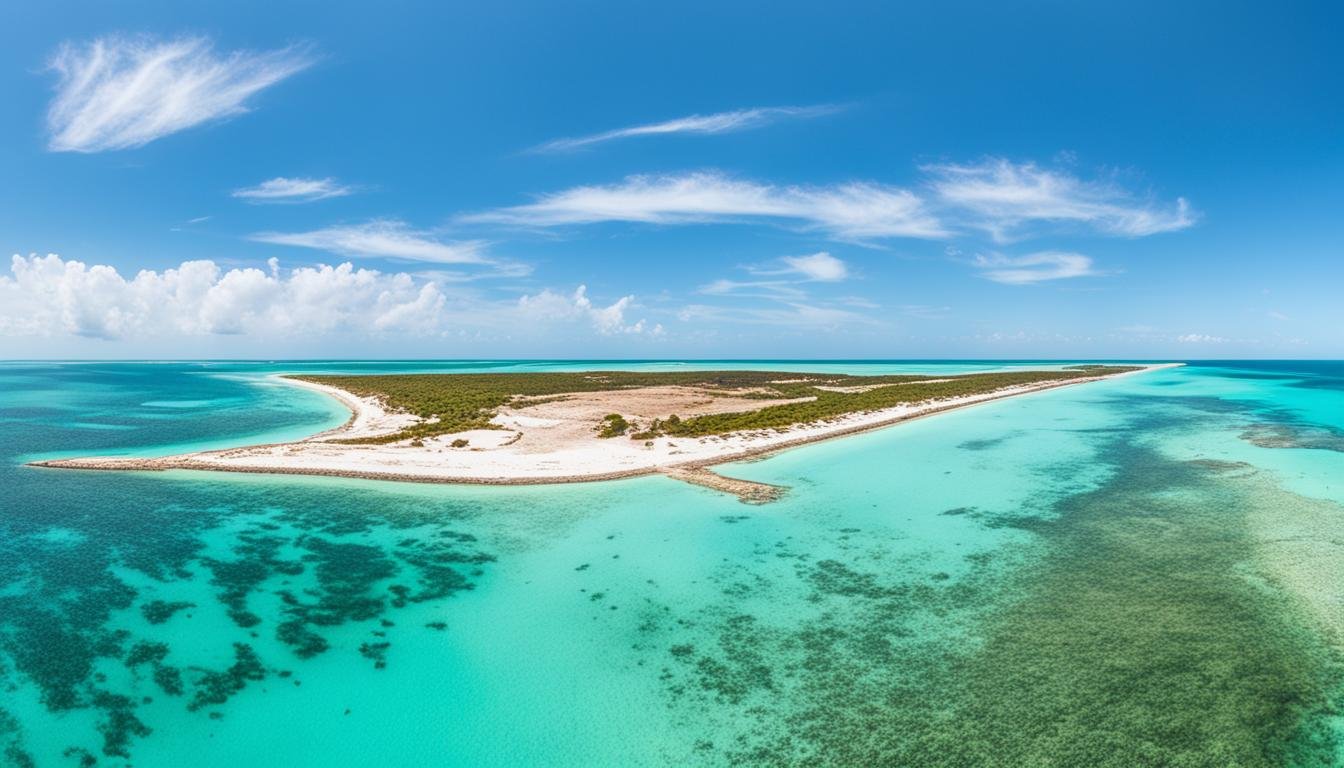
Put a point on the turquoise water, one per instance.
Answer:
(1143, 571)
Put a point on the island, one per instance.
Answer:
(527, 428)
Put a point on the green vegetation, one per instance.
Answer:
(452, 403)
(613, 425)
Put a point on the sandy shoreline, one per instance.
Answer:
(553, 453)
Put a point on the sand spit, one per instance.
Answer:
(549, 442)
(748, 491)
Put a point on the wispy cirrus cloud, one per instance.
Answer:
(119, 93)
(784, 285)
(1034, 267)
(925, 311)
(1008, 200)
(853, 211)
(769, 289)
(821, 267)
(296, 190)
(1003, 198)
(784, 276)
(381, 238)
(796, 314)
(718, 122)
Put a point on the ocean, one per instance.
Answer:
(1142, 571)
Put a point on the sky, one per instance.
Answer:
(677, 180)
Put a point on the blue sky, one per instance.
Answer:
(672, 180)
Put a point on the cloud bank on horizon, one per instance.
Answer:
(44, 295)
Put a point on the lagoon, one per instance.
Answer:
(1129, 570)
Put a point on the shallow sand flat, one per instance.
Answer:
(552, 442)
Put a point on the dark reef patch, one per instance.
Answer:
(159, 611)
(324, 554)
(119, 723)
(983, 444)
(375, 652)
(11, 742)
(1288, 435)
(216, 687)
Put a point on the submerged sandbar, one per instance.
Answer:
(529, 428)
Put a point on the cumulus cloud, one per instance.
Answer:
(1034, 267)
(548, 306)
(48, 295)
(297, 190)
(118, 93)
(719, 122)
(1002, 198)
(382, 238)
(854, 210)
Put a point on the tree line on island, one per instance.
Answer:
(456, 402)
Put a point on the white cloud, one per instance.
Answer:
(790, 303)
(118, 93)
(719, 122)
(795, 314)
(854, 210)
(925, 311)
(997, 196)
(770, 289)
(47, 295)
(1200, 338)
(1002, 197)
(382, 238)
(786, 274)
(859, 301)
(822, 267)
(285, 190)
(1034, 267)
(549, 306)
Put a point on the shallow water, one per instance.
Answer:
(1136, 572)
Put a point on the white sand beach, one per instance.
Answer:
(547, 442)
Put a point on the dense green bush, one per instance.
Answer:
(613, 425)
